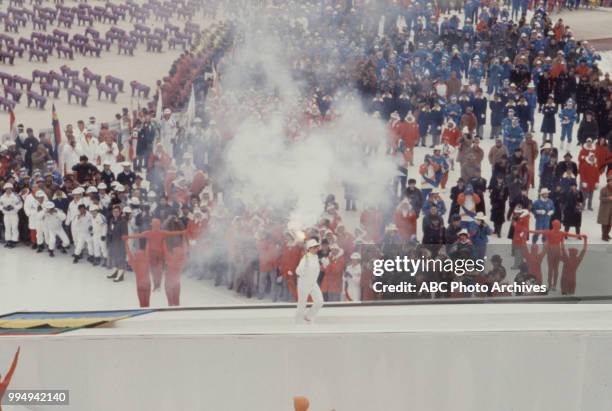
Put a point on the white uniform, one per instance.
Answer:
(105, 200)
(52, 223)
(82, 225)
(308, 272)
(99, 230)
(108, 153)
(10, 205)
(168, 130)
(352, 283)
(70, 157)
(34, 210)
(90, 148)
(73, 211)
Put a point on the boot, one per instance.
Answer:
(13, 244)
(76, 259)
(114, 274)
(605, 232)
(63, 249)
(34, 246)
(120, 278)
(90, 259)
(96, 261)
(41, 248)
(51, 253)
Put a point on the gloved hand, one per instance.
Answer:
(9, 208)
(103, 238)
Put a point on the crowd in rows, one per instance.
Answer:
(436, 80)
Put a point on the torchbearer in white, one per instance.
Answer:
(307, 273)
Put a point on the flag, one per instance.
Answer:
(57, 132)
(11, 121)
(159, 109)
(191, 107)
(215, 81)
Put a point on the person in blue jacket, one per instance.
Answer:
(543, 208)
(494, 80)
(568, 117)
(532, 99)
(513, 137)
(453, 110)
(479, 232)
(549, 122)
(476, 72)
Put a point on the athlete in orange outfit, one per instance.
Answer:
(176, 262)
(571, 261)
(139, 262)
(156, 248)
(555, 239)
(4, 383)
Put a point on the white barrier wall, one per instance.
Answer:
(371, 372)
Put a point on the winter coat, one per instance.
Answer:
(573, 203)
(588, 129)
(549, 122)
(604, 215)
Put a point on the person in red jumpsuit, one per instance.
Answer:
(139, 262)
(571, 262)
(291, 254)
(4, 383)
(555, 239)
(156, 248)
(534, 259)
(176, 262)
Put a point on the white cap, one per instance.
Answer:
(312, 243)
(119, 188)
(49, 205)
(438, 147)
(94, 208)
(151, 194)
(465, 130)
(101, 186)
(7, 185)
(134, 201)
(114, 184)
(77, 191)
(391, 227)
(480, 216)
(40, 194)
(106, 163)
(91, 190)
(127, 210)
(547, 145)
(126, 164)
(355, 256)
(463, 231)
(544, 191)
(167, 111)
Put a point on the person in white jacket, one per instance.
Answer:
(52, 222)
(352, 279)
(33, 208)
(10, 203)
(99, 230)
(82, 225)
(73, 210)
(108, 152)
(307, 273)
(90, 147)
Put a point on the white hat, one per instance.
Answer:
(77, 191)
(438, 147)
(167, 111)
(480, 216)
(91, 190)
(391, 227)
(355, 256)
(40, 194)
(119, 188)
(531, 84)
(126, 164)
(544, 191)
(114, 184)
(101, 186)
(151, 194)
(134, 201)
(463, 231)
(127, 210)
(312, 243)
(94, 208)
(8, 185)
(49, 205)
(547, 145)
(106, 163)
